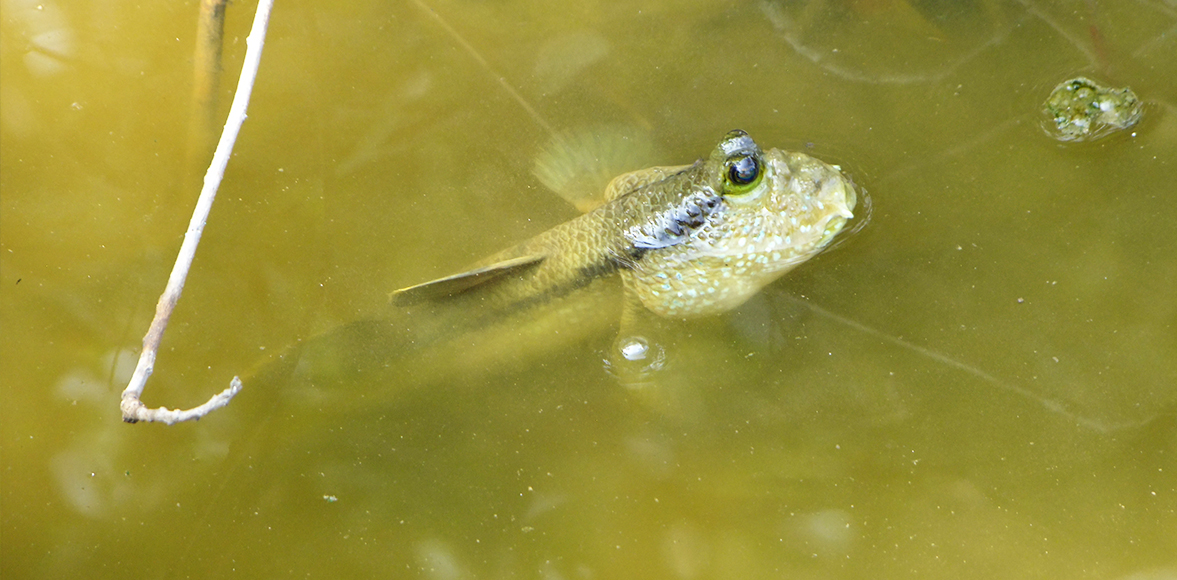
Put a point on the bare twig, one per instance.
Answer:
(133, 409)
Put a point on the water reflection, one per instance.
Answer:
(979, 380)
(925, 42)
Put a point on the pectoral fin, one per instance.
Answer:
(451, 285)
(577, 164)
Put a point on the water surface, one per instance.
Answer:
(979, 383)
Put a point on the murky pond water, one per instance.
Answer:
(978, 383)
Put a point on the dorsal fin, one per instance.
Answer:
(627, 182)
(456, 284)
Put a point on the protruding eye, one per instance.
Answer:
(743, 174)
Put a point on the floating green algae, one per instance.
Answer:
(1081, 109)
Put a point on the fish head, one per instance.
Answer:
(750, 217)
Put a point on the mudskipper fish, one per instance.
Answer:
(685, 241)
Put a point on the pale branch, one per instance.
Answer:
(133, 409)
(140, 412)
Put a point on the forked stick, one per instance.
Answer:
(133, 409)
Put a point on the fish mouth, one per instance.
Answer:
(840, 198)
(844, 207)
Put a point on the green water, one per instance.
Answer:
(979, 383)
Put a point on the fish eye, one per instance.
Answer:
(743, 174)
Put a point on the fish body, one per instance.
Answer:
(687, 241)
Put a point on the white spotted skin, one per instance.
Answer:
(800, 205)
